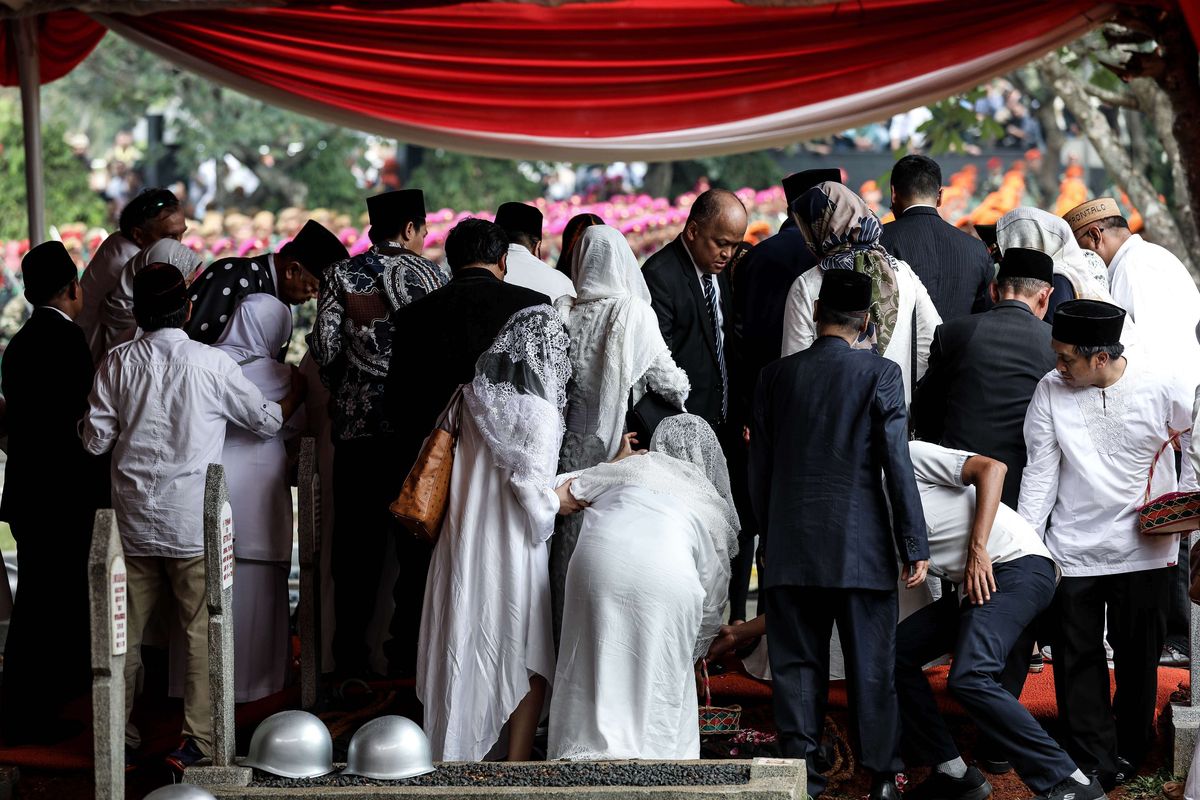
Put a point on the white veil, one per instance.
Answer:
(1040, 230)
(519, 391)
(685, 461)
(613, 328)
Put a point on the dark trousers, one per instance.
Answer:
(366, 479)
(1179, 607)
(981, 639)
(1096, 729)
(798, 627)
(737, 457)
(47, 660)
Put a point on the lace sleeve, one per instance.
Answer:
(666, 378)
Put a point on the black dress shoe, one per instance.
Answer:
(884, 788)
(940, 786)
(1106, 780)
(1125, 771)
(994, 766)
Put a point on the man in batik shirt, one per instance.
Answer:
(352, 344)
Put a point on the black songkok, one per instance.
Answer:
(1091, 323)
(845, 290)
(987, 234)
(389, 208)
(315, 247)
(520, 217)
(798, 183)
(158, 290)
(1021, 262)
(46, 270)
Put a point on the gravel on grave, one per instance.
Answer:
(561, 774)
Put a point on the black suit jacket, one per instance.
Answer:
(219, 289)
(982, 372)
(954, 266)
(436, 342)
(47, 375)
(829, 423)
(678, 301)
(760, 288)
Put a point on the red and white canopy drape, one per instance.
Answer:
(616, 79)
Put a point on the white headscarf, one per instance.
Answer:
(260, 327)
(1040, 230)
(518, 394)
(686, 462)
(613, 328)
(116, 312)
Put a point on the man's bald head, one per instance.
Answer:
(715, 226)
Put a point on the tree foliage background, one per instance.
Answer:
(66, 183)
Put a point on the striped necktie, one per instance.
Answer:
(710, 297)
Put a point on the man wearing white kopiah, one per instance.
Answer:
(1093, 432)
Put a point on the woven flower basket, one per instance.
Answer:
(717, 720)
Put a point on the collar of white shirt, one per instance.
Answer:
(1126, 247)
(59, 311)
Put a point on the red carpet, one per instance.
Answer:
(1038, 697)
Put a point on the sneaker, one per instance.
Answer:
(185, 755)
(1172, 656)
(1047, 655)
(1071, 789)
(1037, 663)
(940, 786)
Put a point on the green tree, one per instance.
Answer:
(470, 183)
(68, 197)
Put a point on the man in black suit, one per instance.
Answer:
(437, 340)
(828, 422)
(293, 275)
(691, 294)
(954, 266)
(51, 492)
(983, 369)
(761, 284)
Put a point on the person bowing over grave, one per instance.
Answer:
(293, 275)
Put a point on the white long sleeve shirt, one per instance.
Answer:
(526, 269)
(99, 278)
(161, 403)
(1089, 457)
(800, 328)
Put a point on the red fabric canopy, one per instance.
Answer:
(594, 80)
(64, 39)
(596, 69)
(644, 78)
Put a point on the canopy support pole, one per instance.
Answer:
(24, 32)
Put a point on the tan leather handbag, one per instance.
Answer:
(425, 495)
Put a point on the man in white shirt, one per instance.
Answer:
(1161, 299)
(152, 215)
(161, 403)
(1008, 579)
(522, 224)
(1093, 432)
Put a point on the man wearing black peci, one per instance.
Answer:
(828, 423)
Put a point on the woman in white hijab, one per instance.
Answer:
(256, 473)
(645, 594)
(1080, 270)
(486, 653)
(116, 323)
(617, 355)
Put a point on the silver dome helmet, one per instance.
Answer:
(389, 748)
(291, 744)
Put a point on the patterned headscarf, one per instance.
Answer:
(843, 233)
